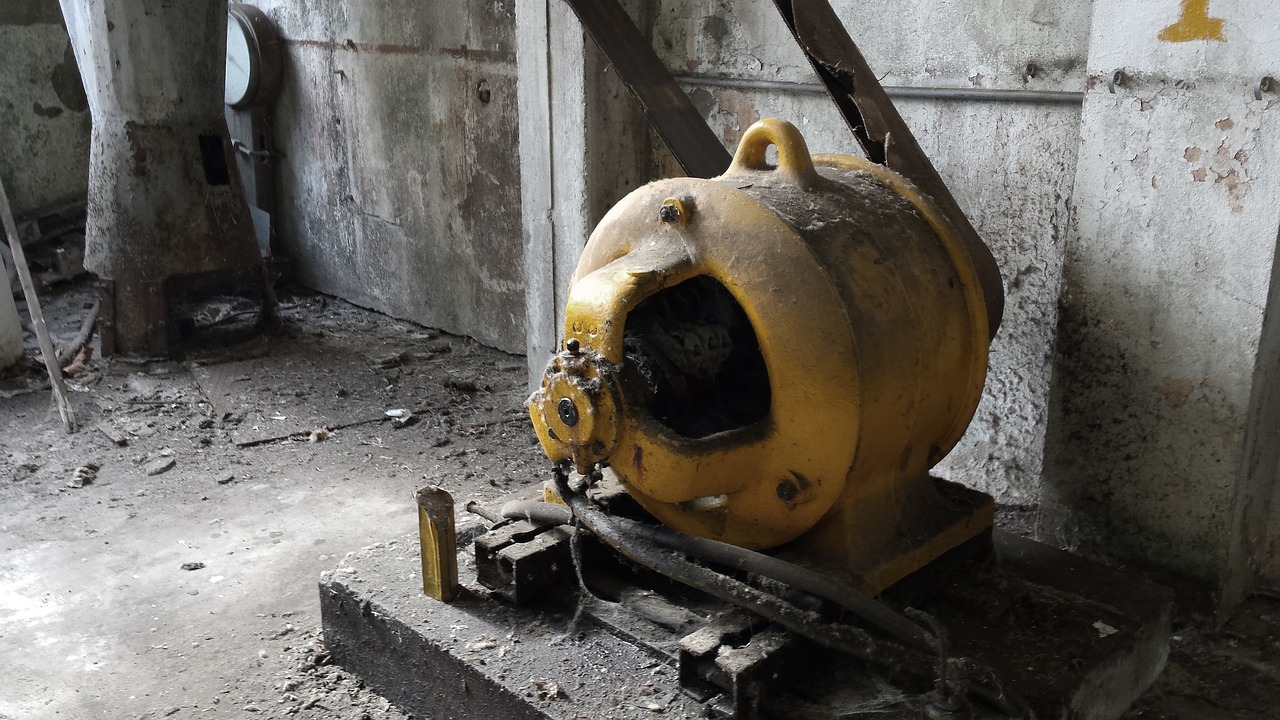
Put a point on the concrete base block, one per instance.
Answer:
(1068, 639)
(478, 658)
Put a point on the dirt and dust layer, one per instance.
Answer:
(162, 561)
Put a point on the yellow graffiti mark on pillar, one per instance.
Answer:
(1194, 24)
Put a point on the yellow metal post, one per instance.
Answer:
(439, 543)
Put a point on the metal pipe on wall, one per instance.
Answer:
(894, 91)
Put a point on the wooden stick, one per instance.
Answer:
(68, 353)
(37, 317)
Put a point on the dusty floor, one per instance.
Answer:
(180, 581)
(99, 618)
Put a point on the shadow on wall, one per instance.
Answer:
(44, 114)
(1136, 491)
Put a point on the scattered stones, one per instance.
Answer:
(466, 385)
(386, 362)
(159, 465)
(113, 434)
(84, 475)
(226, 479)
(141, 428)
(401, 417)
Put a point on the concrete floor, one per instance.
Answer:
(99, 619)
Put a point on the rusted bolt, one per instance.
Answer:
(483, 94)
(669, 213)
(1265, 84)
(787, 491)
(573, 346)
(1118, 79)
(567, 411)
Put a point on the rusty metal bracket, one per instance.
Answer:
(879, 129)
(691, 141)
(525, 562)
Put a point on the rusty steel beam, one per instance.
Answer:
(691, 141)
(879, 129)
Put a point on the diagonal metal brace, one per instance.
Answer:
(691, 141)
(879, 129)
(844, 72)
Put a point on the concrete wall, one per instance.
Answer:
(44, 117)
(399, 184)
(1010, 165)
(1176, 205)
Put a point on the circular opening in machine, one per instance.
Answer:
(693, 360)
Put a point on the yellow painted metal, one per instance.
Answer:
(872, 326)
(437, 535)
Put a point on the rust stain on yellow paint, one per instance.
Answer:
(1194, 24)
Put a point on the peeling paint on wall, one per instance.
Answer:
(1165, 288)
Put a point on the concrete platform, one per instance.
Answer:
(477, 658)
(1069, 639)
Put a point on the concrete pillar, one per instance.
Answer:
(584, 144)
(1158, 440)
(164, 198)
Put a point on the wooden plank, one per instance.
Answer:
(692, 142)
(37, 316)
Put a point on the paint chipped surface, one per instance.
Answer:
(1164, 293)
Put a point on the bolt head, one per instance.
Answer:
(567, 411)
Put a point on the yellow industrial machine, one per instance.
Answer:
(777, 357)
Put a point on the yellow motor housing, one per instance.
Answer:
(778, 355)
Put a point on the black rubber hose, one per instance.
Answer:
(841, 637)
(638, 546)
(737, 558)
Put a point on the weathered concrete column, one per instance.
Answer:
(584, 144)
(164, 200)
(1162, 443)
